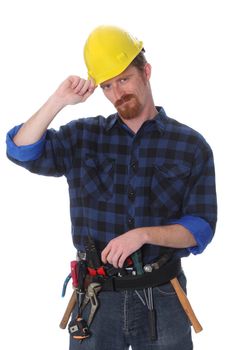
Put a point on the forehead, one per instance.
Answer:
(128, 71)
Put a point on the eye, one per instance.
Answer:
(106, 87)
(123, 80)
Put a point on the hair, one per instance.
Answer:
(139, 61)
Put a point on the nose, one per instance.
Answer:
(117, 92)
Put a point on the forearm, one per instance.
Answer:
(174, 236)
(72, 91)
(33, 129)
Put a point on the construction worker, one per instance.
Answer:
(139, 182)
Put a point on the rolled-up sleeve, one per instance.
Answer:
(199, 228)
(50, 156)
(199, 209)
(23, 153)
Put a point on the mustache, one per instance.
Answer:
(124, 98)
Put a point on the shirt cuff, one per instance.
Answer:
(200, 229)
(23, 153)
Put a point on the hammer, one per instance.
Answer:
(178, 289)
(186, 305)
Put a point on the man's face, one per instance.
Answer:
(127, 92)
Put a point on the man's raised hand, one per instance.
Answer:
(74, 90)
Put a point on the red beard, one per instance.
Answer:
(128, 110)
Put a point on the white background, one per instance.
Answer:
(189, 44)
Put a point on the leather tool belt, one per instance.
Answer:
(149, 279)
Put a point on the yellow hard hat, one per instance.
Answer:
(108, 51)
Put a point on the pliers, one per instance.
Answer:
(91, 295)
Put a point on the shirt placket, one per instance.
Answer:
(132, 183)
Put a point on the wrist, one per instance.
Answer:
(150, 234)
(147, 235)
(56, 103)
(144, 234)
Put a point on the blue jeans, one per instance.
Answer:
(122, 321)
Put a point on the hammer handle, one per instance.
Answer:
(69, 310)
(186, 305)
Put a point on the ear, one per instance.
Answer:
(147, 70)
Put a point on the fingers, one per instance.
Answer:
(105, 254)
(74, 90)
(113, 256)
(81, 86)
(121, 260)
(74, 80)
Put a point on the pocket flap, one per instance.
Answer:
(173, 170)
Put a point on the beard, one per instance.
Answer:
(128, 106)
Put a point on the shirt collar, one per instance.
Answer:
(158, 123)
(111, 121)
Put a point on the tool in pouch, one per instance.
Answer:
(88, 267)
(149, 302)
(79, 327)
(85, 266)
(73, 299)
(78, 268)
(183, 299)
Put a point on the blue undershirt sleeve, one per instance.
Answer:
(23, 153)
(200, 229)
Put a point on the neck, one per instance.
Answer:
(135, 124)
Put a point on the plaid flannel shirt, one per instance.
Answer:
(119, 180)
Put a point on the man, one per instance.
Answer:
(140, 183)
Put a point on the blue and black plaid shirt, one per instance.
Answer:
(119, 180)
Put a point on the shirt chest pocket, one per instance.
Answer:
(169, 182)
(97, 178)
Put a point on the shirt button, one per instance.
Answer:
(130, 222)
(134, 165)
(131, 194)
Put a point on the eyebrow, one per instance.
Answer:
(122, 77)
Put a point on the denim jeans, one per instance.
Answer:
(122, 321)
